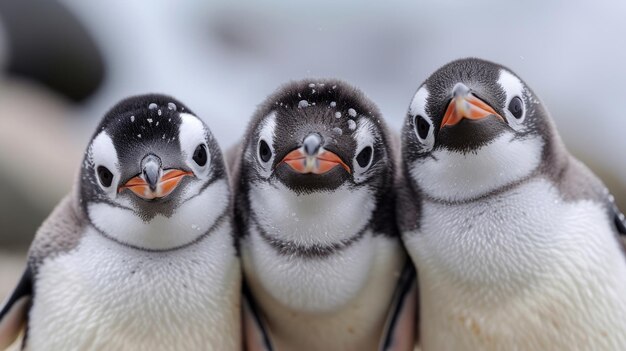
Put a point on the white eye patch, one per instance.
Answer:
(364, 137)
(418, 104)
(513, 87)
(267, 133)
(418, 116)
(102, 153)
(191, 134)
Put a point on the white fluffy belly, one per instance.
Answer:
(523, 271)
(106, 296)
(356, 323)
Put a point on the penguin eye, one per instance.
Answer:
(265, 153)
(516, 107)
(200, 156)
(105, 176)
(364, 157)
(422, 127)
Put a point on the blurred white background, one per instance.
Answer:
(222, 58)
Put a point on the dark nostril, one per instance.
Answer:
(312, 144)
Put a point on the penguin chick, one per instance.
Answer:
(314, 184)
(515, 240)
(141, 255)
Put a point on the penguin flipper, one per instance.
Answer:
(60, 232)
(14, 311)
(256, 336)
(399, 332)
(618, 217)
(579, 182)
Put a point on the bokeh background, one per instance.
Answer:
(64, 63)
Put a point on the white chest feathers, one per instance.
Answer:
(523, 270)
(104, 296)
(320, 218)
(335, 301)
(334, 221)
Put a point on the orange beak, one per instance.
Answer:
(321, 163)
(465, 105)
(166, 184)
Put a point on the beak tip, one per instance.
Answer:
(152, 178)
(152, 174)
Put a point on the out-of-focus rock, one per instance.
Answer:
(48, 44)
(39, 157)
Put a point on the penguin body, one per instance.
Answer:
(516, 241)
(320, 251)
(141, 255)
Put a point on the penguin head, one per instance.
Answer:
(316, 164)
(148, 157)
(473, 127)
(316, 136)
